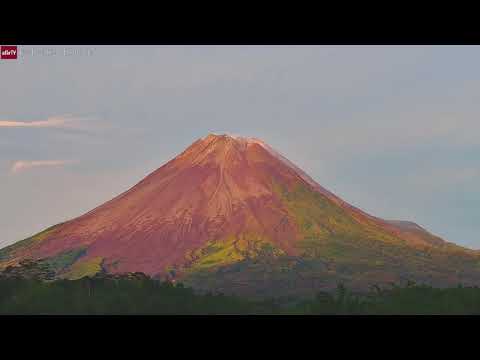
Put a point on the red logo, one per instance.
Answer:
(8, 52)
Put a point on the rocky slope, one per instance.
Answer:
(232, 214)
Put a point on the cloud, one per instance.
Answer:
(22, 165)
(58, 122)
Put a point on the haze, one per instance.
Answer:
(390, 129)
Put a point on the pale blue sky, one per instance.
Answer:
(393, 130)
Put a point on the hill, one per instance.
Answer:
(233, 215)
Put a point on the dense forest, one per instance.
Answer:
(29, 290)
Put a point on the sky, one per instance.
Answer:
(393, 130)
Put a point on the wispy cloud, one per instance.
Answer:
(59, 122)
(50, 122)
(23, 165)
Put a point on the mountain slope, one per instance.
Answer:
(231, 213)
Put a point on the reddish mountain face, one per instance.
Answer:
(220, 190)
(217, 187)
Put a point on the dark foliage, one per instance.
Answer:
(138, 294)
(408, 300)
(126, 294)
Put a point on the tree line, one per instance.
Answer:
(31, 290)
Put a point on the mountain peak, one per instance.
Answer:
(233, 137)
(225, 149)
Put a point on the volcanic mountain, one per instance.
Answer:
(233, 215)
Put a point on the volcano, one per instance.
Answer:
(231, 214)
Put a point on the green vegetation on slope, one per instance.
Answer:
(331, 234)
(23, 245)
(320, 220)
(82, 268)
(63, 260)
(230, 250)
